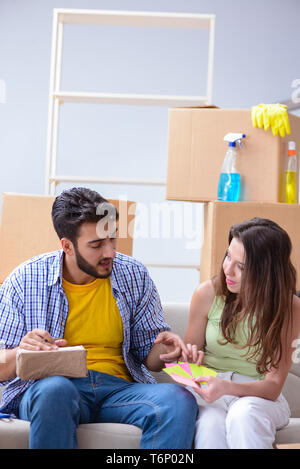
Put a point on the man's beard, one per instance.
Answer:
(86, 267)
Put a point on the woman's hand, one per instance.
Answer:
(216, 387)
(195, 356)
(38, 339)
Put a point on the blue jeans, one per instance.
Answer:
(55, 406)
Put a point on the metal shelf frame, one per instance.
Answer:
(57, 96)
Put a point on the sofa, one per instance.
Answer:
(15, 433)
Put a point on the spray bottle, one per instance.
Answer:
(291, 190)
(230, 179)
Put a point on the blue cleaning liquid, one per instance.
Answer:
(229, 187)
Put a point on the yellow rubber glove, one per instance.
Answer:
(271, 115)
(257, 115)
(279, 119)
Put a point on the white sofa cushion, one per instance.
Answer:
(109, 436)
(290, 433)
(14, 434)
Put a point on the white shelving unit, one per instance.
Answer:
(57, 96)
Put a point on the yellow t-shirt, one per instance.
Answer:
(94, 321)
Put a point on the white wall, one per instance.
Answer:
(256, 60)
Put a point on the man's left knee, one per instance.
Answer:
(179, 398)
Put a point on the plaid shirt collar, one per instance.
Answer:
(56, 271)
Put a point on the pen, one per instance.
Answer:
(4, 416)
(55, 338)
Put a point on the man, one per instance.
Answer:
(88, 294)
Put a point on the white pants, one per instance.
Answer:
(239, 422)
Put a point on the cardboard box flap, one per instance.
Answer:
(204, 106)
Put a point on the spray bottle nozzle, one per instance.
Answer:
(232, 138)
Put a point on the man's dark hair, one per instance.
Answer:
(76, 206)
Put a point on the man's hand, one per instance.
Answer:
(38, 339)
(174, 347)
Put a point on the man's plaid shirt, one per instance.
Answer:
(33, 297)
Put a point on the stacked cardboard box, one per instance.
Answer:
(196, 150)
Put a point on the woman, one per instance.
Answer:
(245, 321)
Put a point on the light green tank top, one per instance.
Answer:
(226, 357)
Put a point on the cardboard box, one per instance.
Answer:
(39, 364)
(196, 151)
(220, 216)
(288, 446)
(26, 229)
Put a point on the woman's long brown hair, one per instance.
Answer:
(265, 299)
